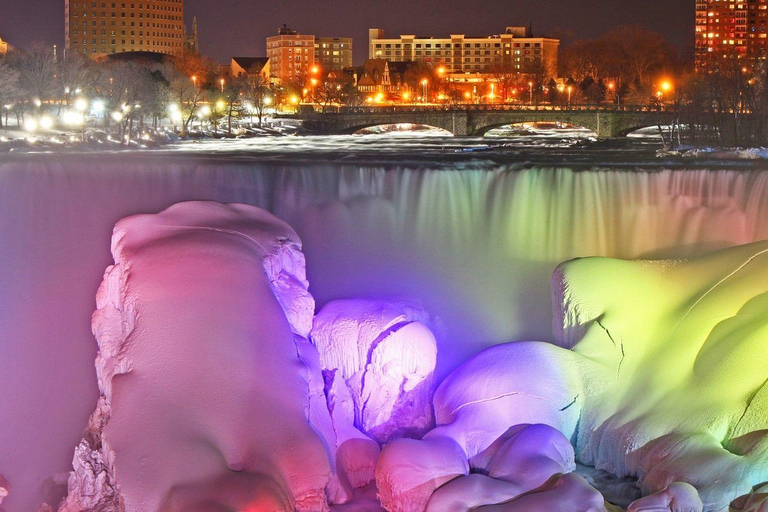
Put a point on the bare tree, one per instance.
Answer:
(260, 94)
(9, 89)
(37, 73)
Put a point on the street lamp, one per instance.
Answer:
(222, 85)
(194, 80)
(570, 90)
(424, 86)
(530, 87)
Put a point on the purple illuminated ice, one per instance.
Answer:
(386, 355)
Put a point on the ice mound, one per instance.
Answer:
(507, 413)
(677, 497)
(386, 354)
(210, 400)
(678, 368)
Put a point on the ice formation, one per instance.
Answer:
(678, 348)
(660, 374)
(208, 388)
(386, 354)
(677, 497)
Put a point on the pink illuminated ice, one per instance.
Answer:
(205, 393)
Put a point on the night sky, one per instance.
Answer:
(239, 27)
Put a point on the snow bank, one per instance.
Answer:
(204, 390)
(386, 355)
(677, 368)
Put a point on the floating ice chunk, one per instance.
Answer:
(410, 470)
(677, 497)
(567, 493)
(531, 456)
(205, 392)
(386, 354)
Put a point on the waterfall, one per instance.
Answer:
(475, 245)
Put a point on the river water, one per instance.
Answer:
(471, 227)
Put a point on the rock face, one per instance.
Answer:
(386, 355)
(208, 399)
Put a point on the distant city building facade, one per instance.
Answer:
(291, 55)
(3, 47)
(333, 53)
(728, 31)
(515, 51)
(97, 29)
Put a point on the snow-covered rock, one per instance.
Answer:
(531, 456)
(505, 386)
(677, 384)
(410, 470)
(386, 354)
(471, 491)
(206, 395)
(566, 493)
(677, 497)
(480, 410)
(754, 502)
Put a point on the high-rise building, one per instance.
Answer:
(515, 50)
(291, 55)
(333, 53)
(101, 28)
(728, 31)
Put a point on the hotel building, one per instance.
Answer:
(731, 30)
(514, 50)
(101, 28)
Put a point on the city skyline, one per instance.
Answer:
(240, 27)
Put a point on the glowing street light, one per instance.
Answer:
(530, 87)
(315, 70)
(441, 71)
(46, 122)
(267, 100)
(570, 90)
(117, 116)
(295, 99)
(424, 83)
(222, 85)
(30, 125)
(406, 96)
(194, 80)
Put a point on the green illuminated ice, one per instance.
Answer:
(677, 391)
